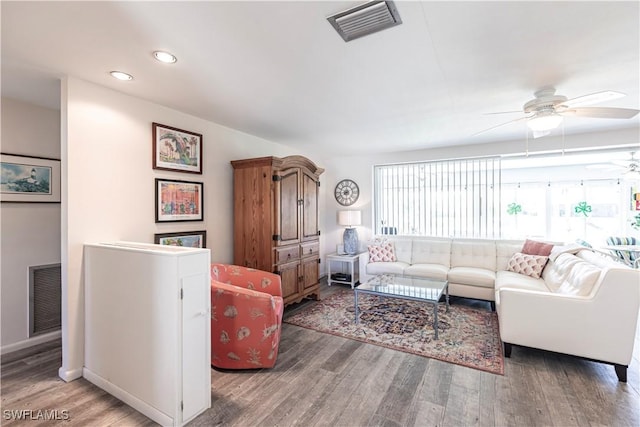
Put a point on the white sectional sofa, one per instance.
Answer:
(584, 304)
(470, 265)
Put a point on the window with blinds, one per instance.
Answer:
(452, 198)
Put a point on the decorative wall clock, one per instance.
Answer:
(347, 192)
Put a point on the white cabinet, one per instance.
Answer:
(147, 327)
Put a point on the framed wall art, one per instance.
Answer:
(29, 179)
(179, 200)
(176, 149)
(188, 239)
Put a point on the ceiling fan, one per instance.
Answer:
(629, 168)
(547, 110)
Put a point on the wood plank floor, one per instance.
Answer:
(324, 380)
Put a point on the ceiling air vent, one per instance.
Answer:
(365, 19)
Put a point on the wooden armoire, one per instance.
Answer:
(276, 221)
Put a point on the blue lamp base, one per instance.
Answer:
(350, 239)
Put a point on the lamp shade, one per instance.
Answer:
(543, 122)
(349, 218)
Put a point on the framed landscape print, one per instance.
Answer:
(188, 239)
(29, 179)
(178, 200)
(176, 149)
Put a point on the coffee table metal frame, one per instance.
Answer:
(406, 287)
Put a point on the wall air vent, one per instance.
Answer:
(365, 19)
(45, 299)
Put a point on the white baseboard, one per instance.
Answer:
(20, 345)
(128, 398)
(69, 375)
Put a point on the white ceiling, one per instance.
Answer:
(278, 70)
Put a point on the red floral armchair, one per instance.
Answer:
(246, 316)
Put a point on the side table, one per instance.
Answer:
(339, 275)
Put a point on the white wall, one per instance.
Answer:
(108, 183)
(360, 169)
(30, 232)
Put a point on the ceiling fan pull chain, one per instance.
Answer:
(563, 138)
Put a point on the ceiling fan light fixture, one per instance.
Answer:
(632, 172)
(544, 122)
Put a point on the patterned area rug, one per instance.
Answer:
(467, 336)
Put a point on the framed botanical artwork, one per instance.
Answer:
(29, 179)
(179, 200)
(176, 149)
(188, 239)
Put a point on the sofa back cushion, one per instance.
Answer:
(504, 251)
(473, 253)
(431, 251)
(581, 279)
(556, 271)
(402, 248)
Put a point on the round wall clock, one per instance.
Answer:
(347, 192)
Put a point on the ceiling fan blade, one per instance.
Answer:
(593, 98)
(503, 112)
(622, 163)
(500, 125)
(631, 174)
(601, 112)
(605, 166)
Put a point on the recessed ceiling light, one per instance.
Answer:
(165, 57)
(121, 76)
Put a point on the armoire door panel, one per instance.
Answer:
(289, 207)
(290, 280)
(310, 194)
(311, 270)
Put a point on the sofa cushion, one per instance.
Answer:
(386, 267)
(403, 247)
(529, 265)
(505, 250)
(580, 280)
(558, 250)
(472, 276)
(383, 252)
(533, 247)
(431, 251)
(509, 279)
(473, 253)
(431, 271)
(557, 270)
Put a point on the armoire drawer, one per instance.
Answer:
(311, 248)
(287, 253)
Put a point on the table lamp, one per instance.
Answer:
(350, 237)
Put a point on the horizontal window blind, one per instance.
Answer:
(452, 198)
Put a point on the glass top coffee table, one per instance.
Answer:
(406, 287)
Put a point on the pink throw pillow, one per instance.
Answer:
(382, 253)
(532, 247)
